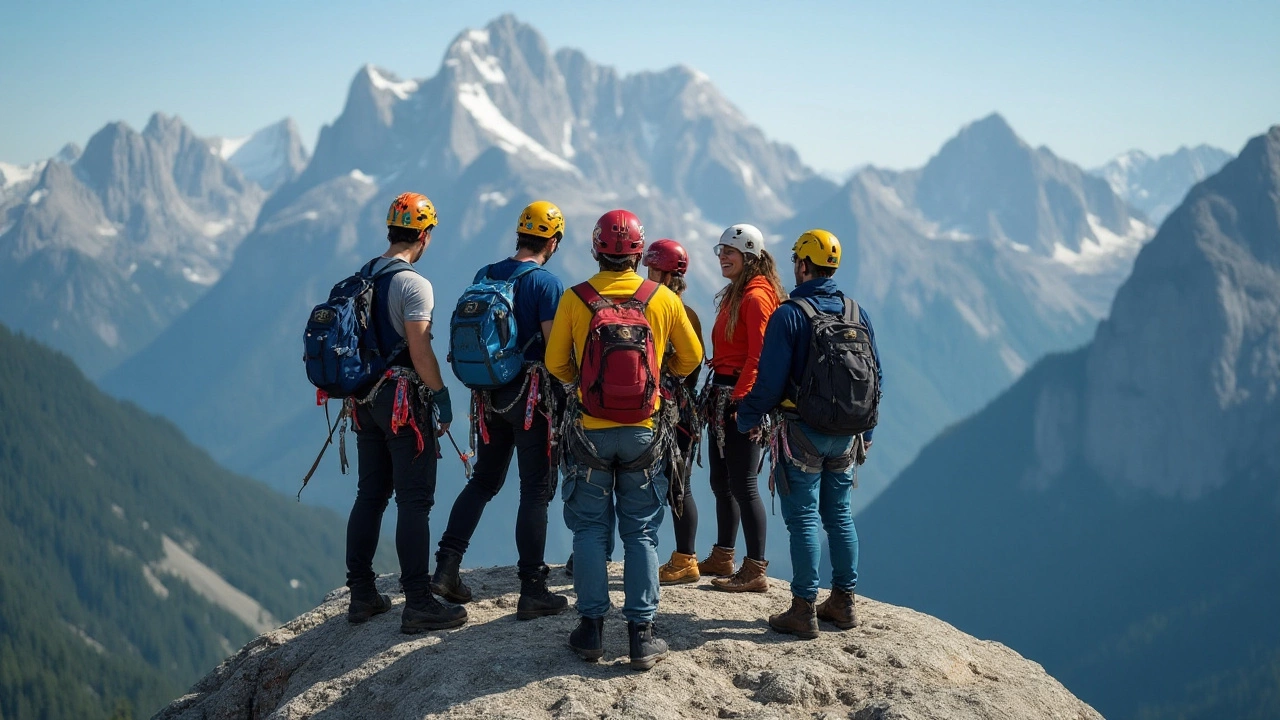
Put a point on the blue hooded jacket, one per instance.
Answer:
(786, 351)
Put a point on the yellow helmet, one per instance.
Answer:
(412, 210)
(818, 247)
(541, 219)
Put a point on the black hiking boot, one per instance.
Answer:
(430, 614)
(446, 582)
(588, 639)
(536, 600)
(646, 650)
(364, 605)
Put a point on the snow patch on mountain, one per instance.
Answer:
(35, 197)
(476, 101)
(566, 145)
(361, 177)
(225, 148)
(11, 175)
(400, 88)
(1100, 252)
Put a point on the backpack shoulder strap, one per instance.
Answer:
(590, 297)
(851, 311)
(805, 306)
(395, 266)
(645, 293)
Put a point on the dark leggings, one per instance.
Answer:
(733, 480)
(390, 463)
(686, 526)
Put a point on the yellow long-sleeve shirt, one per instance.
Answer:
(666, 316)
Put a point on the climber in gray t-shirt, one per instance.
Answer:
(395, 440)
(410, 298)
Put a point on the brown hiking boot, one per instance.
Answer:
(838, 610)
(750, 577)
(800, 620)
(680, 569)
(718, 564)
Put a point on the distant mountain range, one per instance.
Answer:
(973, 266)
(1116, 514)
(1157, 185)
(997, 250)
(130, 564)
(100, 250)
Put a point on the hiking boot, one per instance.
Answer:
(430, 614)
(646, 650)
(568, 566)
(718, 564)
(801, 620)
(680, 568)
(365, 605)
(838, 610)
(588, 639)
(536, 600)
(750, 577)
(446, 582)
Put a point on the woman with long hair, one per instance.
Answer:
(668, 262)
(743, 308)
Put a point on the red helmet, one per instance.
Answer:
(668, 256)
(618, 232)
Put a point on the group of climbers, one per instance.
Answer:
(598, 383)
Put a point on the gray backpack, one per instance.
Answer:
(839, 391)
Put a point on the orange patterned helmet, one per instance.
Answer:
(412, 210)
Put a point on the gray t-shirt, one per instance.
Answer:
(411, 298)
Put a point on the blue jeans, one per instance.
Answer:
(590, 509)
(820, 498)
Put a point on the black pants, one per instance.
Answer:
(686, 526)
(390, 462)
(507, 435)
(733, 480)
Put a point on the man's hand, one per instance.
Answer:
(444, 428)
(756, 434)
(866, 446)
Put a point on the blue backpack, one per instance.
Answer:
(348, 344)
(483, 349)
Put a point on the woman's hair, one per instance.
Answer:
(677, 283)
(731, 295)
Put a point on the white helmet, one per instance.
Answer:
(746, 239)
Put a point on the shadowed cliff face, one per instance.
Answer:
(1116, 513)
(724, 662)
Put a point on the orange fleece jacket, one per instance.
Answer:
(741, 355)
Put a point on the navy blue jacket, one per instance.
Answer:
(786, 351)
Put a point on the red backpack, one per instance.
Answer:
(619, 372)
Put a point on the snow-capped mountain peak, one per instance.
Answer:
(270, 157)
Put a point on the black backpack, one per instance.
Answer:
(839, 391)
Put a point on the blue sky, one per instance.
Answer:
(846, 83)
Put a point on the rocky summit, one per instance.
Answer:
(725, 663)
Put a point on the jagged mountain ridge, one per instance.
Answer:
(1157, 185)
(100, 249)
(1137, 474)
